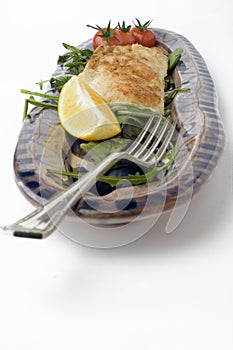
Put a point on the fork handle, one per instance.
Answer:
(43, 221)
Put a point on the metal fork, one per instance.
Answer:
(147, 149)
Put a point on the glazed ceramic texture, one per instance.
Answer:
(43, 144)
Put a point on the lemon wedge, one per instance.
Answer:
(84, 114)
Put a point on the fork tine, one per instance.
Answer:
(141, 135)
(165, 127)
(149, 139)
(166, 142)
(150, 150)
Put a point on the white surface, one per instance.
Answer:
(160, 292)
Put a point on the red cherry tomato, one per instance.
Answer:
(145, 38)
(100, 40)
(143, 35)
(120, 35)
(125, 34)
(106, 36)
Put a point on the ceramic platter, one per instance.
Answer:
(43, 144)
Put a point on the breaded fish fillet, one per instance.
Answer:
(131, 74)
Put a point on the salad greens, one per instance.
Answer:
(134, 179)
(171, 94)
(173, 59)
(75, 59)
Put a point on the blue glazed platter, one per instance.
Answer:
(43, 144)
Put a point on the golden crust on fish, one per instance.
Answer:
(131, 74)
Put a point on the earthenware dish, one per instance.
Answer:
(43, 144)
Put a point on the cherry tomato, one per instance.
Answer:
(106, 36)
(100, 40)
(125, 34)
(120, 35)
(143, 35)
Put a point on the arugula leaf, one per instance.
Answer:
(58, 81)
(174, 58)
(100, 150)
(75, 59)
(132, 119)
(169, 97)
(39, 94)
(136, 114)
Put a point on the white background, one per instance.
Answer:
(162, 291)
